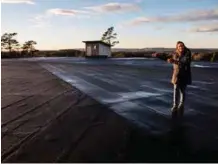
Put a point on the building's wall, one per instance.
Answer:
(104, 50)
(92, 49)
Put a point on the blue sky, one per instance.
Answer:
(60, 24)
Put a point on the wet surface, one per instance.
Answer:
(140, 91)
(136, 87)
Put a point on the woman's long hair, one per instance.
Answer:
(180, 42)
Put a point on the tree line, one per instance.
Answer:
(10, 47)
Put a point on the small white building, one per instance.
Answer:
(97, 49)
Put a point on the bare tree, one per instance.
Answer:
(110, 37)
(28, 47)
(8, 42)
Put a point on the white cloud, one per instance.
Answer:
(191, 16)
(114, 7)
(138, 1)
(138, 21)
(205, 28)
(66, 12)
(40, 20)
(158, 28)
(18, 1)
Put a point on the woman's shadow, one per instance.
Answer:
(179, 147)
(169, 146)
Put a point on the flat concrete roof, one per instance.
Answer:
(98, 41)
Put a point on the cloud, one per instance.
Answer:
(114, 7)
(205, 28)
(158, 28)
(191, 16)
(18, 1)
(40, 20)
(138, 1)
(66, 12)
(138, 21)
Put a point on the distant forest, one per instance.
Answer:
(11, 48)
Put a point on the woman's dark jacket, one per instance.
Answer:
(181, 68)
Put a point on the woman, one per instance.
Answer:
(181, 60)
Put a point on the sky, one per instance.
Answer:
(64, 24)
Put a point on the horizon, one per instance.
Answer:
(127, 48)
(60, 25)
(120, 48)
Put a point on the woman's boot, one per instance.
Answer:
(181, 109)
(174, 111)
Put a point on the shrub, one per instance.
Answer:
(118, 55)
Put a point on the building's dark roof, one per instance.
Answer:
(97, 41)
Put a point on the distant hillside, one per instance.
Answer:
(153, 49)
(197, 54)
(194, 50)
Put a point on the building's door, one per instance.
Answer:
(94, 50)
(89, 50)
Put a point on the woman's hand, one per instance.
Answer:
(154, 55)
(170, 60)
